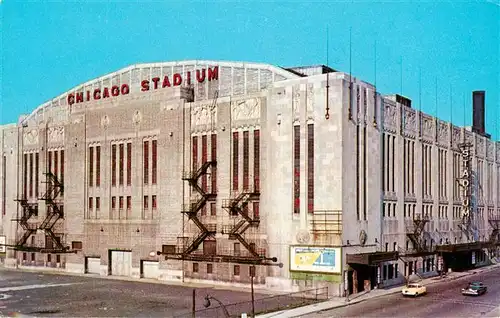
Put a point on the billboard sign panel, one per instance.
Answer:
(315, 259)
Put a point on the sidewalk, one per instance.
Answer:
(337, 302)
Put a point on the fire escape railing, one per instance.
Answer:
(494, 221)
(55, 212)
(237, 206)
(191, 209)
(28, 210)
(415, 234)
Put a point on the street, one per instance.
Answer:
(442, 300)
(50, 295)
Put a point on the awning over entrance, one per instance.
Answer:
(462, 247)
(371, 258)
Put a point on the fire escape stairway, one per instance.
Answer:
(415, 236)
(192, 208)
(237, 206)
(58, 245)
(53, 215)
(54, 212)
(29, 229)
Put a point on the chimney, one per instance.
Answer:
(478, 112)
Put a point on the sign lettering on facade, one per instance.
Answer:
(201, 75)
(465, 181)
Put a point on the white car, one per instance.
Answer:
(414, 289)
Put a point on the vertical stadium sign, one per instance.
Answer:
(465, 180)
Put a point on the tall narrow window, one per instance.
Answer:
(37, 167)
(256, 160)
(25, 176)
(204, 158)
(98, 166)
(113, 165)
(129, 163)
(31, 175)
(120, 202)
(310, 168)
(122, 159)
(145, 202)
(146, 162)
(97, 203)
(91, 166)
(235, 161)
(154, 150)
(256, 212)
(195, 153)
(56, 164)
(113, 203)
(49, 159)
(4, 181)
(153, 202)
(91, 204)
(62, 167)
(213, 145)
(129, 202)
(296, 169)
(246, 158)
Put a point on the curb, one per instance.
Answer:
(357, 301)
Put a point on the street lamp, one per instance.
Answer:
(207, 304)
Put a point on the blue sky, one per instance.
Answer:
(50, 47)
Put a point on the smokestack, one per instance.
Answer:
(478, 112)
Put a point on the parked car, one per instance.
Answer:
(414, 289)
(474, 289)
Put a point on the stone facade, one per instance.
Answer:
(351, 160)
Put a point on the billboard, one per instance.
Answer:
(315, 259)
(2, 243)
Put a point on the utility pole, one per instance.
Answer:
(194, 304)
(252, 274)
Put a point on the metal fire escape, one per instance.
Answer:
(191, 209)
(54, 213)
(28, 210)
(415, 234)
(238, 207)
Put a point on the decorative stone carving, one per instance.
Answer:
(137, 118)
(498, 151)
(31, 137)
(390, 116)
(442, 132)
(480, 146)
(105, 121)
(203, 115)
(456, 136)
(303, 237)
(490, 150)
(246, 109)
(310, 100)
(56, 134)
(410, 123)
(296, 101)
(469, 137)
(427, 126)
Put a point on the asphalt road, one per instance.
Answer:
(442, 300)
(48, 295)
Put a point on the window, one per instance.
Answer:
(256, 214)
(210, 268)
(4, 192)
(194, 152)
(235, 160)
(91, 204)
(113, 165)
(146, 162)
(204, 158)
(210, 247)
(97, 165)
(113, 203)
(153, 202)
(37, 165)
(121, 146)
(310, 168)
(154, 163)
(49, 163)
(236, 270)
(214, 168)
(129, 203)
(296, 169)
(129, 163)
(256, 160)
(91, 166)
(213, 209)
(25, 176)
(246, 158)
(121, 203)
(76, 245)
(31, 175)
(146, 199)
(236, 248)
(97, 203)
(56, 163)
(195, 268)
